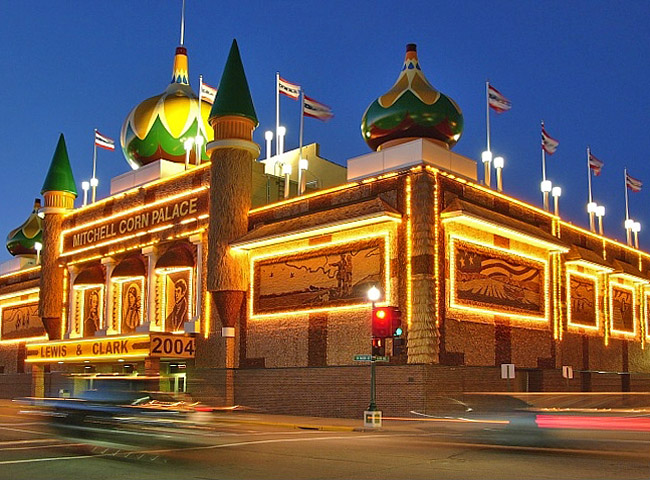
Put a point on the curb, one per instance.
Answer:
(301, 426)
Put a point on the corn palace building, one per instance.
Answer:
(223, 276)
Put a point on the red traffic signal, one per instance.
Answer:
(386, 322)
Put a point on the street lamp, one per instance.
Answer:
(38, 246)
(628, 230)
(373, 295)
(286, 171)
(498, 165)
(556, 192)
(591, 210)
(546, 186)
(600, 213)
(187, 145)
(268, 136)
(85, 186)
(486, 158)
(303, 165)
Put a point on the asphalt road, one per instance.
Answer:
(263, 447)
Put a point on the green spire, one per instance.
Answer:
(233, 95)
(59, 177)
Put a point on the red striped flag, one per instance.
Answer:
(595, 164)
(289, 89)
(208, 93)
(103, 141)
(498, 102)
(316, 109)
(549, 144)
(633, 183)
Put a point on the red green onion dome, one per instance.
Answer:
(412, 109)
(158, 127)
(21, 240)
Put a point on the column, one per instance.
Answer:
(151, 253)
(198, 294)
(73, 316)
(109, 264)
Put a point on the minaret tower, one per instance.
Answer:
(232, 153)
(59, 192)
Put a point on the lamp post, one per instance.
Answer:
(556, 193)
(591, 210)
(373, 294)
(282, 131)
(498, 165)
(198, 142)
(636, 228)
(187, 145)
(629, 223)
(303, 165)
(268, 136)
(94, 182)
(600, 213)
(85, 186)
(38, 246)
(286, 171)
(486, 158)
(546, 186)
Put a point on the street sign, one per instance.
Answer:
(363, 358)
(567, 371)
(508, 370)
(381, 359)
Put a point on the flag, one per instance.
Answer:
(317, 110)
(632, 183)
(208, 93)
(496, 101)
(595, 164)
(549, 144)
(289, 89)
(104, 141)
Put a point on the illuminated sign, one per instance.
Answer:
(135, 222)
(137, 346)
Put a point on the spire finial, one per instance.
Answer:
(183, 23)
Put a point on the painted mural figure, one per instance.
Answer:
(131, 312)
(91, 322)
(178, 315)
(344, 275)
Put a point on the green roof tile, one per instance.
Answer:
(59, 177)
(233, 95)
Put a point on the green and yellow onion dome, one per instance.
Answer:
(21, 240)
(158, 127)
(411, 109)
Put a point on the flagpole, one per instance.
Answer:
(199, 126)
(93, 180)
(627, 204)
(277, 113)
(544, 192)
(487, 113)
(592, 225)
(302, 126)
(183, 23)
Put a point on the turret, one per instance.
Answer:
(59, 192)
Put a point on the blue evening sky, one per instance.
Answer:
(581, 66)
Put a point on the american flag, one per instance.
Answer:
(549, 144)
(289, 89)
(498, 102)
(103, 141)
(595, 164)
(632, 183)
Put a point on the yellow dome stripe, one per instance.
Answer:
(144, 115)
(176, 117)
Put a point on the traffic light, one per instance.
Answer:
(386, 322)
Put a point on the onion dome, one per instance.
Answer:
(21, 240)
(412, 109)
(158, 127)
